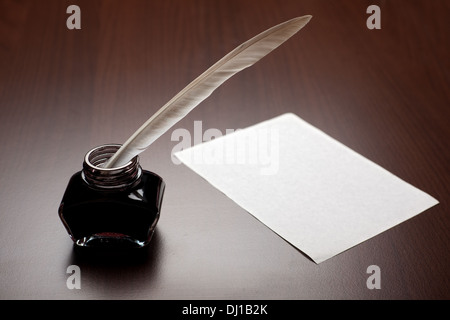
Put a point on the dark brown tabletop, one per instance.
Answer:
(382, 92)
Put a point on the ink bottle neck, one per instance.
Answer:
(112, 179)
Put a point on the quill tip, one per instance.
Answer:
(306, 18)
(299, 22)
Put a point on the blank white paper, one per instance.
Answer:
(313, 191)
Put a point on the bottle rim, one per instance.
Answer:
(121, 177)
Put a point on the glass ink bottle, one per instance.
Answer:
(116, 207)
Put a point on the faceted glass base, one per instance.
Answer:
(108, 218)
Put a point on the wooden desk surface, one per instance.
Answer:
(384, 93)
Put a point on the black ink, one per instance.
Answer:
(112, 217)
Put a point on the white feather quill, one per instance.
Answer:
(198, 90)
